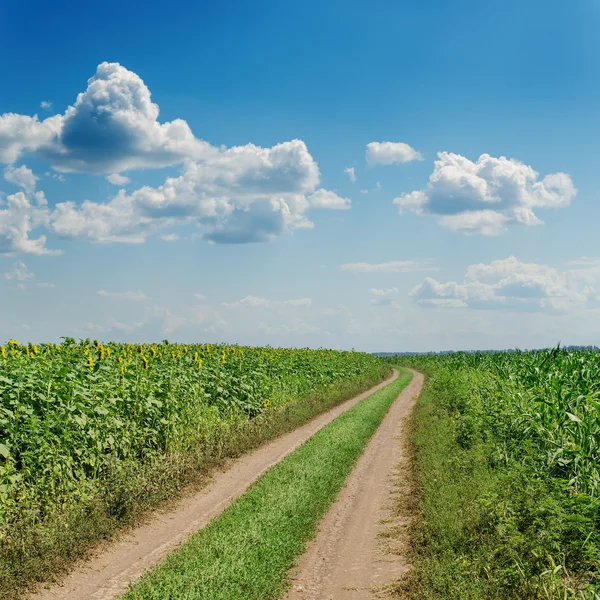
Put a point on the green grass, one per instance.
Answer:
(246, 553)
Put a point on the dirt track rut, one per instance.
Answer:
(348, 559)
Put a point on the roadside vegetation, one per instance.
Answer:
(507, 468)
(246, 552)
(92, 435)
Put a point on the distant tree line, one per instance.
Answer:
(568, 348)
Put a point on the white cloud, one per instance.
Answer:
(19, 133)
(350, 172)
(239, 195)
(113, 126)
(199, 297)
(18, 219)
(169, 237)
(44, 284)
(117, 179)
(133, 296)
(508, 284)
(19, 272)
(57, 176)
(390, 153)
(328, 200)
(382, 297)
(22, 177)
(396, 266)
(486, 196)
(476, 222)
(46, 105)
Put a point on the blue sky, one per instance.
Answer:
(381, 175)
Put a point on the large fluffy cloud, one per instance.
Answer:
(237, 195)
(508, 284)
(484, 197)
(111, 127)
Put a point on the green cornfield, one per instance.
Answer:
(550, 397)
(508, 462)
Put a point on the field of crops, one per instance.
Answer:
(508, 453)
(95, 432)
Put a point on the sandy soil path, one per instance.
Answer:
(107, 575)
(349, 560)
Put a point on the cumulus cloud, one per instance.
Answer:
(328, 200)
(117, 179)
(46, 105)
(507, 284)
(133, 296)
(21, 177)
(20, 133)
(169, 237)
(350, 172)
(235, 195)
(396, 266)
(239, 195)
(112, 126)
(484, 197)
(21, 215)
(391, 153)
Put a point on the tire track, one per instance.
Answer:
(348, 560)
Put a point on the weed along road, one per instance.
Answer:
(348, 560)
(108, 574)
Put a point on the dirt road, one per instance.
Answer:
(108, 574)
(348, 559)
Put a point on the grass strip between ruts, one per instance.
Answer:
(246, 552)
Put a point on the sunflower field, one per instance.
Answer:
(94, 431)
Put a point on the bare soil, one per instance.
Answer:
(107, 574)
(353, 556)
